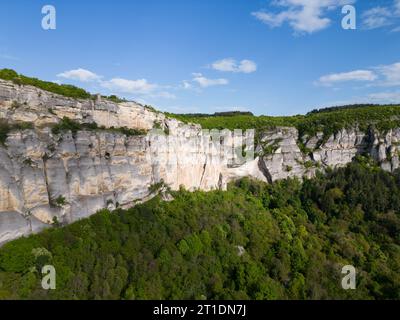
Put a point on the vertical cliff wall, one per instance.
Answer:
(48, 178)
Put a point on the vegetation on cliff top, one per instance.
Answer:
(61, 89)
(255, 241)
(327, 121)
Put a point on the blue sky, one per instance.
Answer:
(277, 57)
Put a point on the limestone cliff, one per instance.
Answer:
(47, 177)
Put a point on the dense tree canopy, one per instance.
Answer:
(288, 240)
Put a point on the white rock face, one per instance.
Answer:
(47, 178)
(94, 169)
(341, 148)
(338, 150)
(30, 104)
(286, 160)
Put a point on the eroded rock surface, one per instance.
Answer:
(48, 178)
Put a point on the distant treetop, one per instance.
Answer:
(217, 114)
(349, 106)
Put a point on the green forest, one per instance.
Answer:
(286, 240)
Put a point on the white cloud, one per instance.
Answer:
(273, 20)
(231, 65)
(205, 82)
(247, 66)
(377, 17)
(80, 75)
(140, 86)
(304, 16)
(391, 74)
(186, 84)
(379, 76)
(165, 95)
(385, 97)
(358, 75)
(397, 6)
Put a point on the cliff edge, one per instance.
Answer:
(118, 152)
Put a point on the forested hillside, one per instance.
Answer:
(288, 240)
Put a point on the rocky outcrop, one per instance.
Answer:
(48, 178)
(282, 157)
(42, 108)
(286, 160)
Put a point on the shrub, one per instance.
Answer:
(157, 125)
(28, 162)
(156, 186)
(130, 132)
(308, 164)
(22, 126)
(115, 99)
(270, 147)
(59, 201)
(4, 130)
(6, 127)
(67, 124)
(8, 74)
(15, 105)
